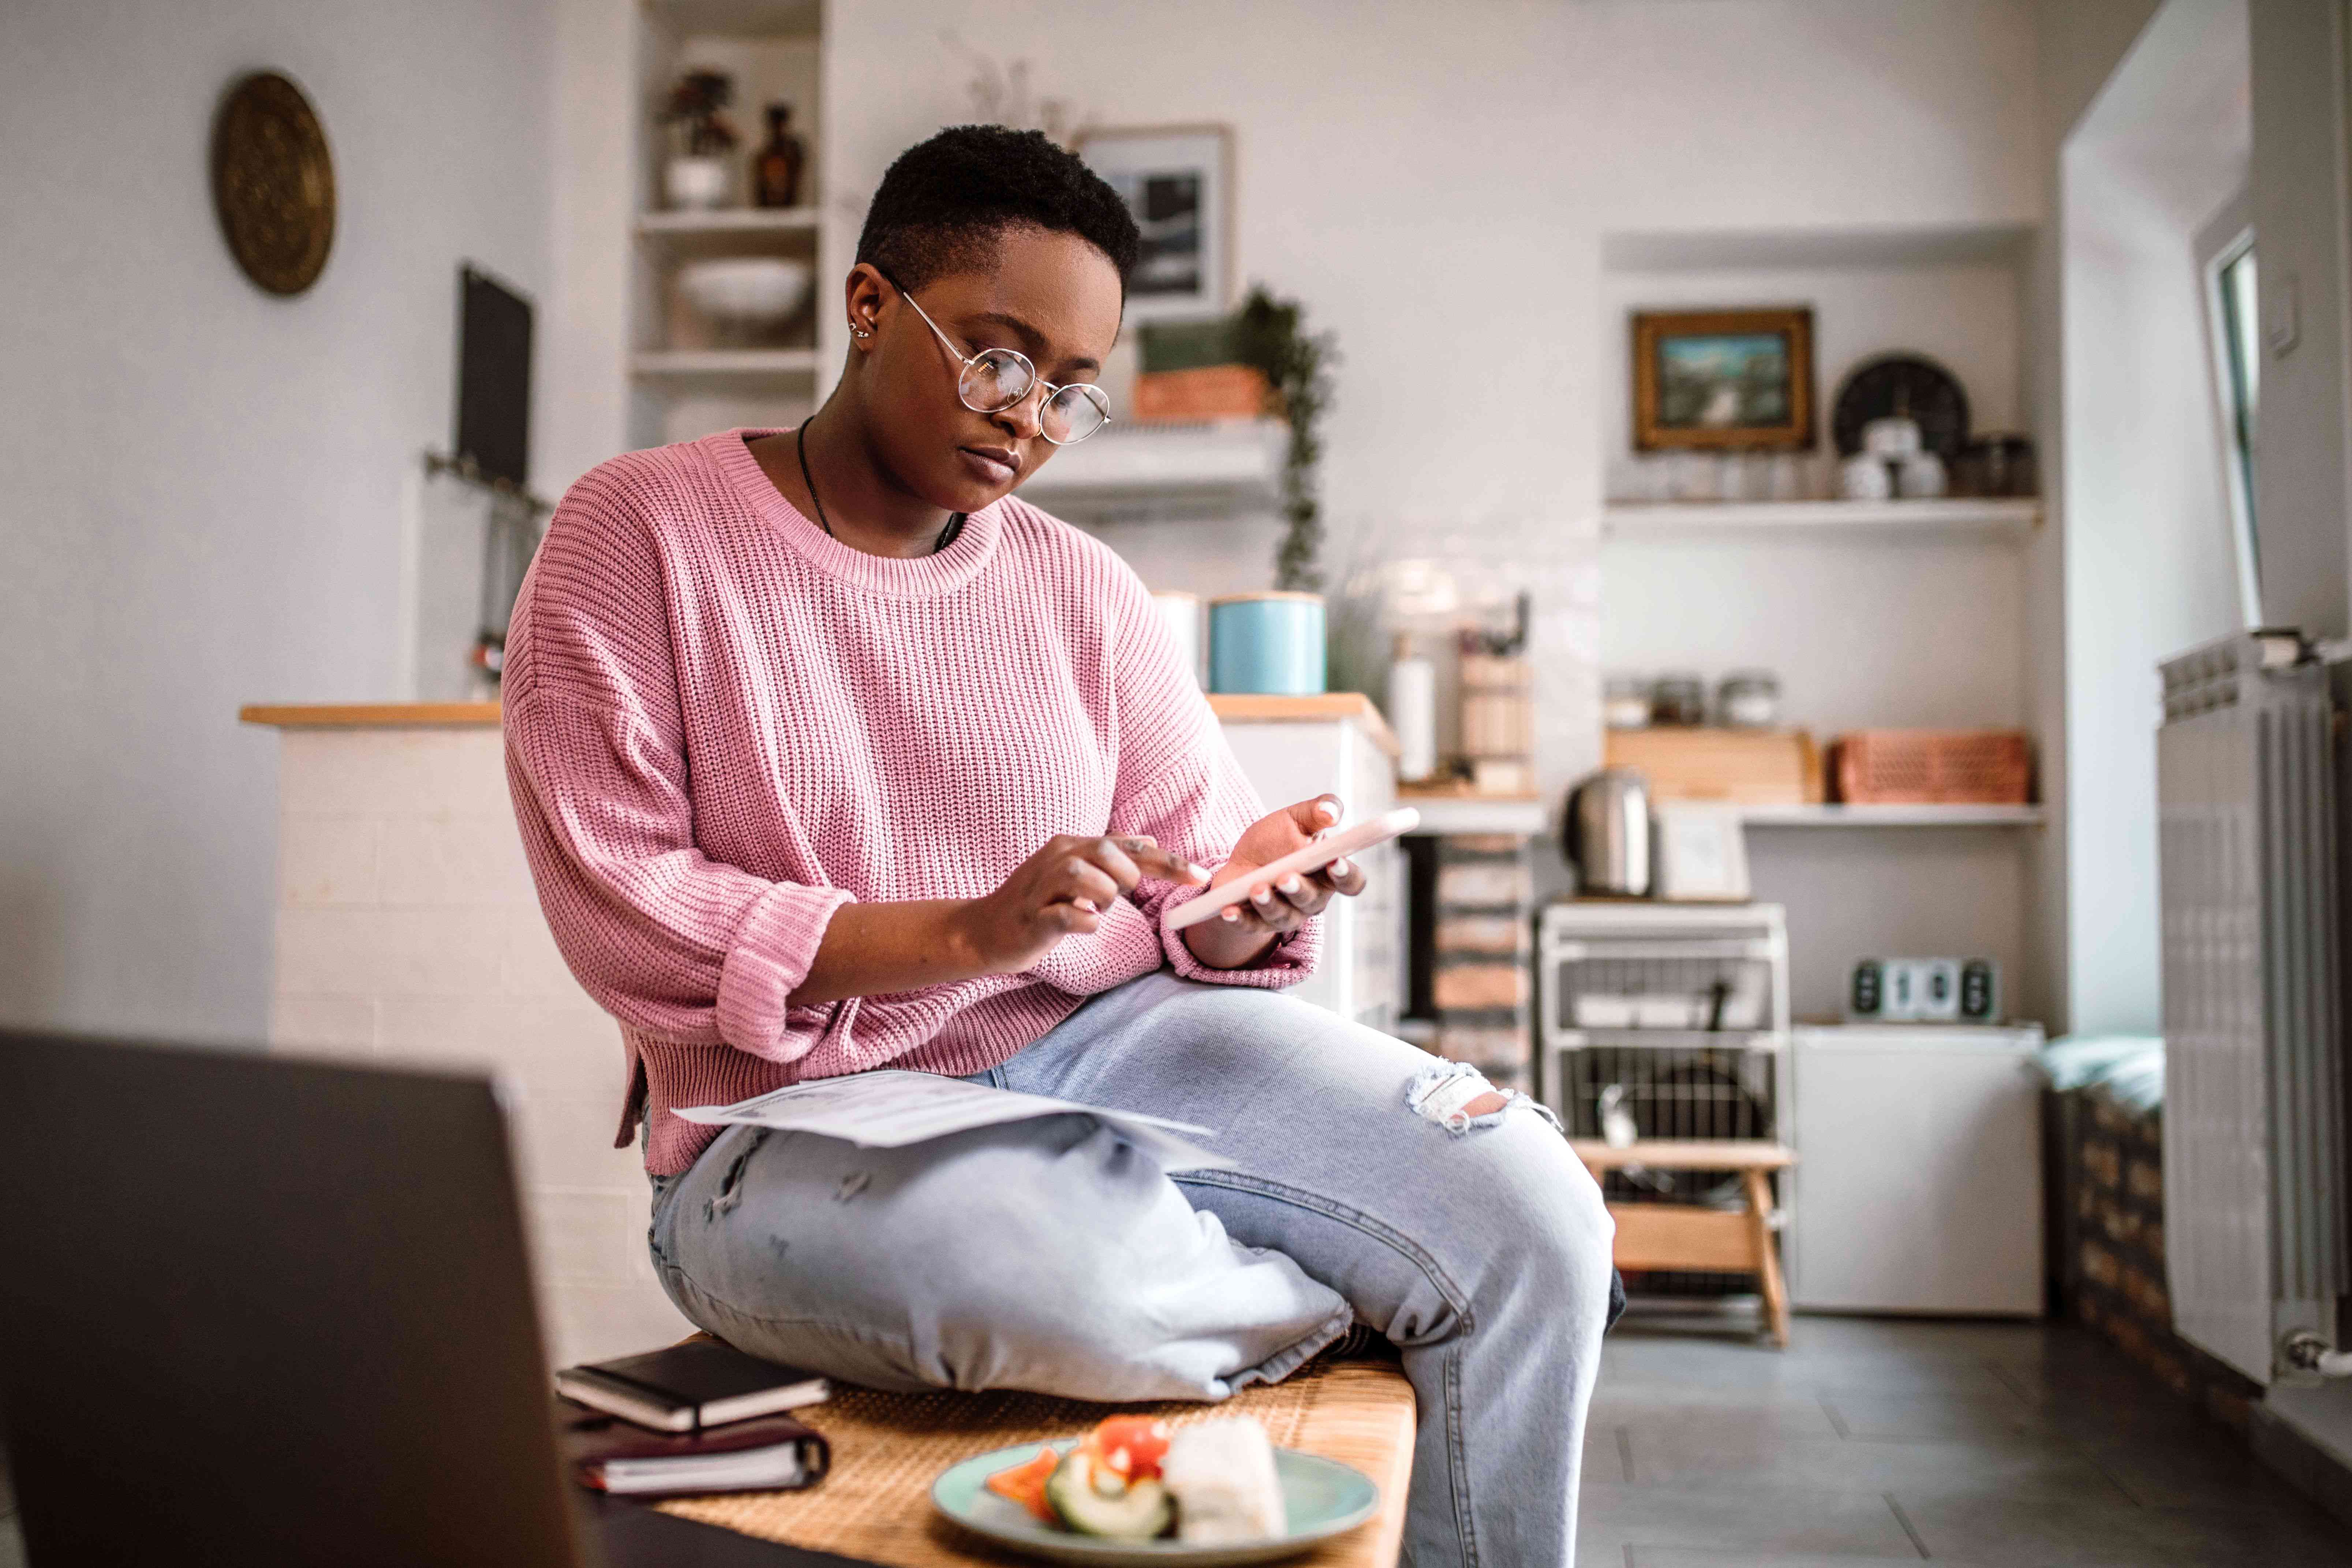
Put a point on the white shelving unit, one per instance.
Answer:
(686, 381)
(1871, 613)
(1138, 471)
(1949, 518)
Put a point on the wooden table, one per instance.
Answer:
(1681, 1236)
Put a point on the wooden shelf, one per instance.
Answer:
(1322, 707)
(1892, 815)
(744, 364)
(371, 715)
(1951, 518)
(731, 220)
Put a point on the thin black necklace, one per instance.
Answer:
(800, 445)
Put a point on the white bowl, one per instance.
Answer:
(745, 293)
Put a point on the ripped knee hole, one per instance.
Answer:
(1458, 1097)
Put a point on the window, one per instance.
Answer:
(2226, 253)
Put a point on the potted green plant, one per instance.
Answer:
(698, 173)
(1267, 333)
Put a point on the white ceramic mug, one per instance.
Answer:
(1865, 477)
(1922, 476)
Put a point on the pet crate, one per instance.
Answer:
(1666, 1021)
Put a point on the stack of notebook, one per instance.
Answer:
(696, 1417)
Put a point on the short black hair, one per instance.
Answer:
(945, 201)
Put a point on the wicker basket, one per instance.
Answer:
(1935, 767)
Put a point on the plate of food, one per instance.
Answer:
(1132, 1492)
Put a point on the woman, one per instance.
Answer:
(830, 754)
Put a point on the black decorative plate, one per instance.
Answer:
(1902, 384)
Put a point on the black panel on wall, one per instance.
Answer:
(493, 377)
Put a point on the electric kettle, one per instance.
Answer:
(1606, 832)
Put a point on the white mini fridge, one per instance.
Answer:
(1919, 1187)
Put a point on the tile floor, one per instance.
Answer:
(1871, 1444)
(1874, 1442)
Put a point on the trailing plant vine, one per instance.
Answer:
(1297, 364)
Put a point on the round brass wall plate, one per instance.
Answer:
(273, 182)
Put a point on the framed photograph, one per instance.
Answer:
(1723, 378)
(1177, 181)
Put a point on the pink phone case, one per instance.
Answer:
(1342, 841)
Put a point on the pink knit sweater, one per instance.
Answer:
(722, 724)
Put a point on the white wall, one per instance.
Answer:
(1871, 631)
(202, 486)
(1434, 188)
(2077, 46)
(2149, 570)
(2303, 474)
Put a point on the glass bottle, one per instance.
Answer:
(776, 167)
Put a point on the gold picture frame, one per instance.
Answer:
(1718, 380)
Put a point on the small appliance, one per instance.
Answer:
(1606, 834)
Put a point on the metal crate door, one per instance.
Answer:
(1703, 1055)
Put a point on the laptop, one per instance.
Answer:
(261, 1310)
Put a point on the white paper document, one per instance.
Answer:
(891, 1109)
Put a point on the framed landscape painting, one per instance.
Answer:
(1713, 379)
(1177, 181)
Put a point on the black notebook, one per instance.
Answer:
(688, 1387)
(610, 1455)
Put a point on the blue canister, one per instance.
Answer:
(1270, 643)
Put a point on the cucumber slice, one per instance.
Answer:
(1116, 1509)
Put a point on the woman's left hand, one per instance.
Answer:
(1244, 931)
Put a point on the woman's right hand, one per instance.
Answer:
(1064, 888)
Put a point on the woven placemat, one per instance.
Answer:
(888, 1448)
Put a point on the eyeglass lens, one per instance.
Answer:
(996, 379)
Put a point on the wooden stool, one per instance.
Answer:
(1679, 1235)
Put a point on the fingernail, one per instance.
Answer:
(1087, 905)
(1231, 914)
(1263, 896)
(1340, 867)
(1328, 808)
(1291, 883)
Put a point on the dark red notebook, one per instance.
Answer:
(770, 1454)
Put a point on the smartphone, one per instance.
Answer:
(1340, 841)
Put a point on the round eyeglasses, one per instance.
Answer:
(995, 379)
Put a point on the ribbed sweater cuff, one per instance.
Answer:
(773, 951)
(1289, 961)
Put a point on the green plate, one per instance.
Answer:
(1320, 1499)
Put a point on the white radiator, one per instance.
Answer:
(2254, 1210)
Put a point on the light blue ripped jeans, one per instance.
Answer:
(1048, 1255)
